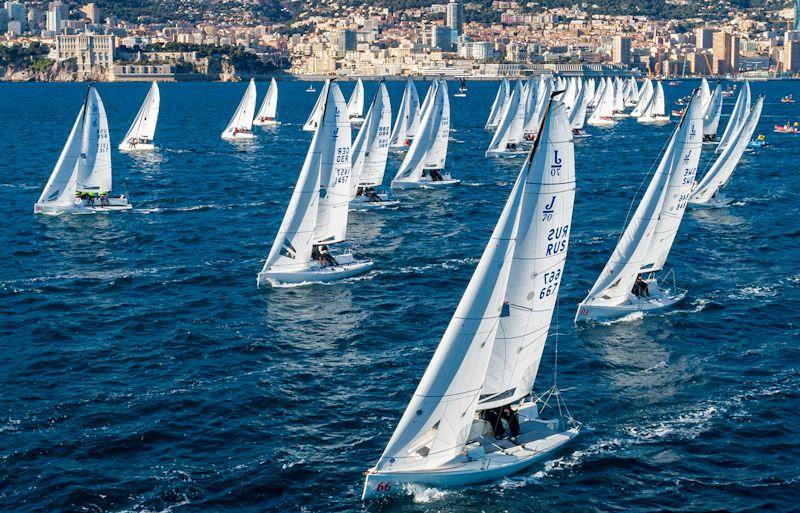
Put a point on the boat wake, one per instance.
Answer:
(631, 317)
(425, 494)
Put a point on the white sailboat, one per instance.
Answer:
(355, 107)
(315, 117)
(241, 124)
(488, 359)
(645, 94)
(317, 213)
(143, 129)
(628, 282)
(712, 115)
(603, 114)
(619, 99)
(654, 112)
(507, 139)
(81, 180)
(503, 93)
(531, 98)
(740, 111)
(268, 112)
(543, 93)
(423, 164)
(633, 93)
(408, 117)
(370, 152)
(598, 93)
(706, 192)
(577, 117)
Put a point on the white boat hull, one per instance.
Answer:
(241, 136)
(658, 299)
(348, 267)
(114, 205)
(506, 153)
(538, 441)
(362, 202)
(715, 202)
(656, 120)
(136, 147)
(266, 122)
(425, 183)
(603, 122)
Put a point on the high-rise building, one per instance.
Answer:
(704, 38)
(791, 51)
(441, 38)
(347, 41)
(455, 16)
(54, 22)
(621, 50)
(725, 52)
(92, 12)
(796, 24)
(16, 12)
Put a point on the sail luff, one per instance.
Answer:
(437, 155)
(502, 135)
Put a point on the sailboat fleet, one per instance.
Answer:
(477, 414)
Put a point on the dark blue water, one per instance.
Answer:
(141, 370)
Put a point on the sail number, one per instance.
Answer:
(342, 174)
(342, 155)
(551, 284)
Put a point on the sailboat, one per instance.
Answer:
(633, 93)
(408, 117)
(706, 192)
(603, 114)
(532, 91)
(241, 124)
(619, 99)
(370, 152)
(317, 213)
(268, 112)
(311, 88)
(503, 93)
(488, 359)
(507, 139)
(423, 164)
(740, 110)
(712, 115)
(315, 117)
(645, 94)
(355, 107)
(462, 89)
(81, 180)
(628, 282)
(143, 129)
(654, 112)
(577, 117)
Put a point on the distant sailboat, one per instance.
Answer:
(654, 112)
(81, 180)
(603, 114)
(143, 129)
(628, 282)
(712, 115)
(423, 164)
(740, 111)
(503, 93)
(645, 94)
(315, 117)
(462, 89)
(355, 107)
(241, 124)
(507, 139)
(268, 112)
(408, 117)
(317, 213)
(577, 117)
(706, 193)
(311, 88)
(487, 362)
(370, 152)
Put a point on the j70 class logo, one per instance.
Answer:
(555, 167)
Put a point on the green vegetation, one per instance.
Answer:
(242, 60)
(191, 10)
(19, 57)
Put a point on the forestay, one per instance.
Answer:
(436, 424)
(371, 146)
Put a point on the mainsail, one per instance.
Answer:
(269, 107)
(308, 219)
(371, 146)
(143, 127)
(93, 172)
(416, 158)
(408, 117)
(503, 93)
(242, 119)
(720, 171)
(712, 114)
(738, 115)
(60, 188)
(436, 424)
(509, 129)
(316, 113)
(355, 107)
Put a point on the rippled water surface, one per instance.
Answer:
(141, 370)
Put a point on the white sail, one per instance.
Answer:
(531, 96)
(604, 111)
(242, 120)
(720, 172)
(712, 114)
(619, 96)
(577, 117)
(633, 93)
(407, 123)
(355, 107)
(316, 113)
(598, 93)
(291, 250)
(645, 96)
(93, 173)
(705, 95)
(738, 115)
(590, 91)
(537, 267)
(614, 284)
(60, 187)
(542, 98)
(371, 146)
(503, 93)
(436, 424)
(437, 156)
(509, 129)
(143, 128)
(269, 107)
(656, 107)
(417, 156)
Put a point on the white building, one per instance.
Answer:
(93, 53)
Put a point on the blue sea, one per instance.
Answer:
(141, 370)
